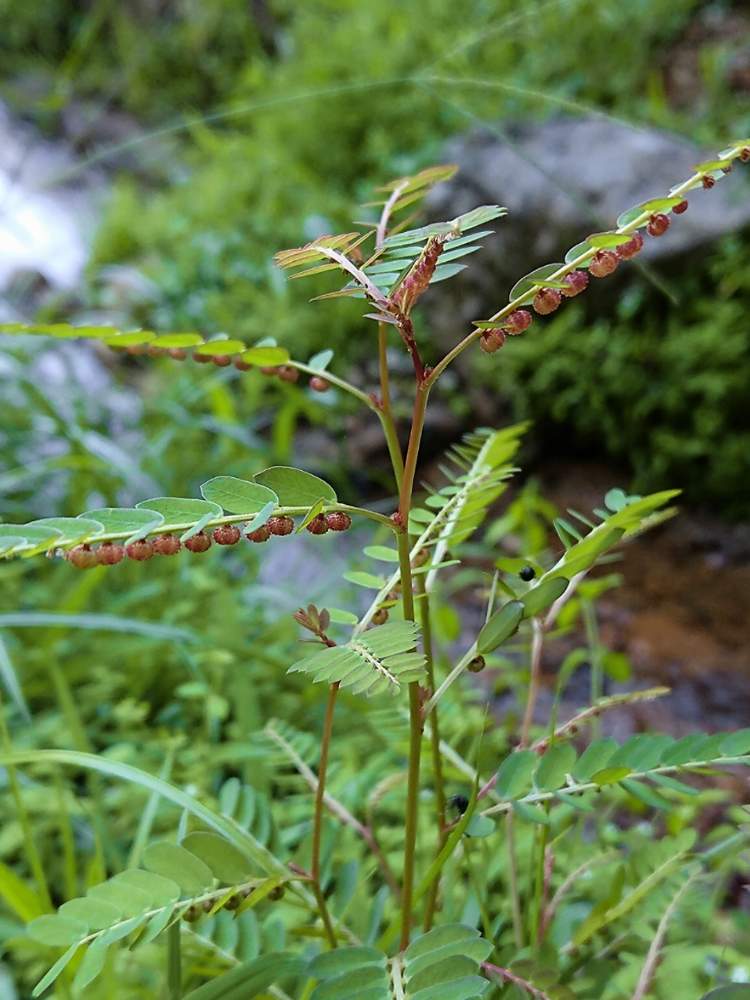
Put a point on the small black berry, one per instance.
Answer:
(517, 321)
(626, 251)
(319, 384)
(337, 520)
(380, 617)
(318, 525)
(460, 803)
(680, 208)
(276, 893)
(110, 553)
(658, 224)
(167, 545)
(546, 301)
(198, 542)
(227, 534)
(576, 282)
(82, 557)
(261, 534)
(140, 550)
(603, 262)
(477, 664)
(280, 524)
(527, 573)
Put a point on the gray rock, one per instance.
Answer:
(563, 179)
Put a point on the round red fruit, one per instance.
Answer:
(319, 384)
(318, 525)
(261, 534)
(680, 207)
(241, 366)
(337, 520)
(269, 370)
(110, 553)
(658, 224)
(280, 524)
(227, 534)
(518, 321)
(603, 262)
(166, 545)
(221, 360)
(141, 550)
(198, 542)
(708, 181)
(177, 353)
(630, 249)
(380, 617)
(82, 557)
(492, 340)
(288, 373)
(745, 154)
(546, 301)
(576, 282)
(202, 359)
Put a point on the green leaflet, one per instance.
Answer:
(237, 496)
(378, 660)
(250, 979)
(294, 487)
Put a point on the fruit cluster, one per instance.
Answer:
(110, 553)
(603, 263)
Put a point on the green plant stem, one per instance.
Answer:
(325, 744)
(341, 383)
(386, 410)
(412, 454)
(537, 643)
(174, 962)
(515, 896)
(437, 760)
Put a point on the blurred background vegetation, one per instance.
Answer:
(214, 134)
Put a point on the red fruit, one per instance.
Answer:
(141, 550)
(318, 525)
(603, 262)
(727, 169)
(708, 181)
(658, 224)
(261, 534)
(110, 553)
(270, 370)
(634, 246)
(136, 349)
(227, 534)
(337, 520)
(517, 321)
(380, 617)
(319, 384)
(745, 154)
(167, 545)
(82, 557)
(198, 542)
(288, 373)
(577, 282)
(221, 360)
(202, 359)
(177, 353)
(546, 301)
(680, 208)
(240, 365)
(492, 340)
(155, 352)
(280, 524)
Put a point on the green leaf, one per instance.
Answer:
(333, 963)
(736, 744)
(542, 596)
(501, 626)
(515, 774)
(531, 813)
(56, 931)
(251, 979)
(176, 863)
(167, 340)
(341, 617)
(381, 552)
(221, 348)
(72, 529)
(321, 360)
(610, 775)
(91, 966)
(578, 251)
(615, 500)
(480, 826)
(608, 240)
(530, 282)
(264, 357)
(178, 512)
(127, 521)
(49, 978)
(96, 914)
(737, 991)
(227, 863)
(237, 496)
(594, 758)
(367, 580)
(553, 767)
(294, 487)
